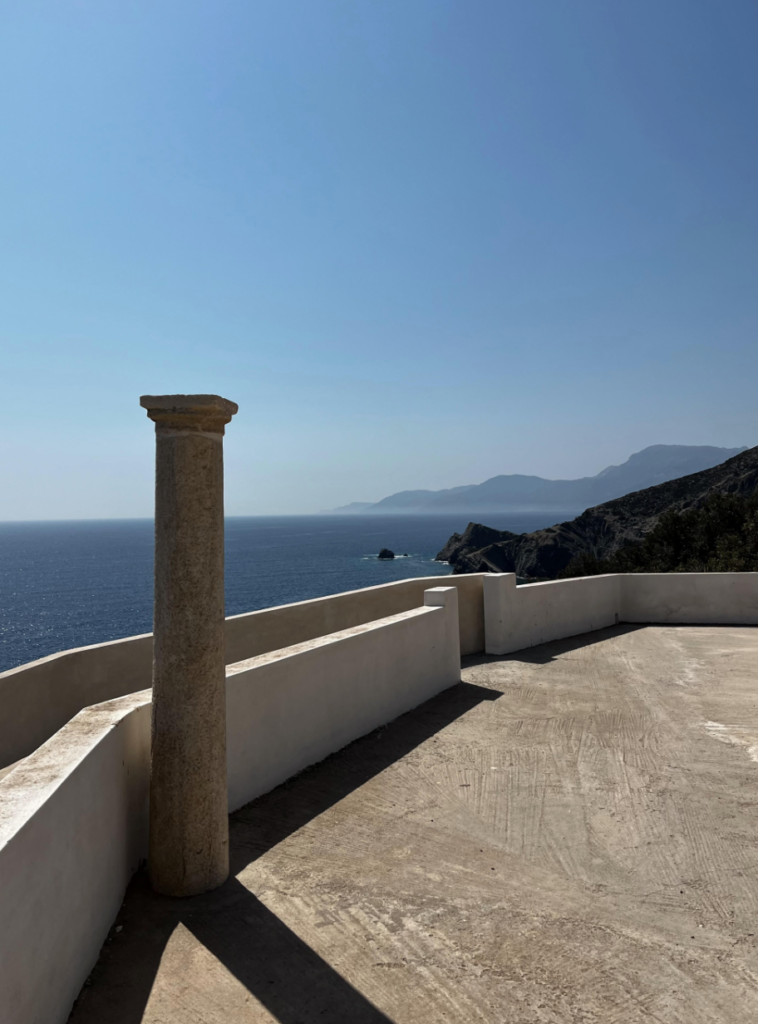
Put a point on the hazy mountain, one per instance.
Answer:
(599, 531)
(518, 493)
(347, 510)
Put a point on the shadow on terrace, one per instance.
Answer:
(281, 972)
(553, 650)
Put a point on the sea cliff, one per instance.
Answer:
(600, 531)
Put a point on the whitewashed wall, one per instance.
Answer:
(73, 828)
(520, 617)
(292, 708)
(73, 815)
(40, 697)
(712, 597)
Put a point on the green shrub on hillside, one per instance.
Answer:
(720, 536)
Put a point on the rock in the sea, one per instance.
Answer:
(386, 553)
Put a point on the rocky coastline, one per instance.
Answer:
(600, 531)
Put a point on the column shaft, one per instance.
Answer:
(189, 833)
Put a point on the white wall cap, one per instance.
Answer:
(436, 596)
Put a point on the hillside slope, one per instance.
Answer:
(600, 531)
(519, 493)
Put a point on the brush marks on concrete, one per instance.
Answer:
(579, 848)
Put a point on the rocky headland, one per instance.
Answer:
(600, 531)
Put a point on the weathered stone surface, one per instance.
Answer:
(194, 413)
(188, 802)
(386, 553)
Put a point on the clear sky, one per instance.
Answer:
(420, 242)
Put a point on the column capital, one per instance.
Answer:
(192, 413)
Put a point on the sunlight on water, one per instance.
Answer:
(68, 584)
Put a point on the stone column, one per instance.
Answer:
(189, 829)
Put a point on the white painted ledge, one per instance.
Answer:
(73, 815)
(40, 697)
(292, 708)
(519, 617)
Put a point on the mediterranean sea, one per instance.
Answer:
(69, 584)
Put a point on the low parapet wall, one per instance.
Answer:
(273, 629)
(73, 815)
(520, 617)
(688, 597)
(290, 709)
(39, 698)
(73, 829)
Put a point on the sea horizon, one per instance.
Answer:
(537, 513)
(69, 583)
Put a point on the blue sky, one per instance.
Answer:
(420, 242)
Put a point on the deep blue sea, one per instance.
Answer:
(67, 584)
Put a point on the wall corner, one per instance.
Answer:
(499, 608)
(447, 598)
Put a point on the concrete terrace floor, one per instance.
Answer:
(570, 835)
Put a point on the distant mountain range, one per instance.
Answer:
(517, 493)
(599, 531)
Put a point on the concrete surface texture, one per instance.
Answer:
(38, 698)
(189, 841)
(568, 835)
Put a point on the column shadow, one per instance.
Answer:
(283, 973)
(268, 820)
(288, 977)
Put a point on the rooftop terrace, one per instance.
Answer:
(571, 834)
